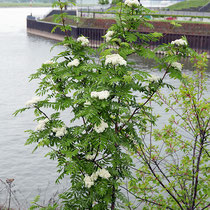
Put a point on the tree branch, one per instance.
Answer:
(143, 199)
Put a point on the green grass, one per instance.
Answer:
(190, 16)
(181, 21)
(7, 4)
(152, 14)
(82, 22)
(188, 4)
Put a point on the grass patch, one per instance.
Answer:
(181, 21)
(83, 22)
(190, 16)
(12, 4)
(188, 4)
(150, 14)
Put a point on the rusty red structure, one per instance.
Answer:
(198, 35)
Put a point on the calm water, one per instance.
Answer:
(21, 55)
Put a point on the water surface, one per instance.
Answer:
(21, 55)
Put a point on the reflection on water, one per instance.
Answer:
(20, 56)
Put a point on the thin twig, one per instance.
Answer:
(143, 199)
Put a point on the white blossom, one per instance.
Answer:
(88, 181)
(75, 62)
(179, 42)
(101, 128)
(153, 78)
(94, 176)
(90, 157)
(115, 59)
(49, 62)
(84, 41)
(132, 3)
(101, 94)
(87, 103)
(94, 94)
(33, 101)
(177, 65)
(41, 124)
(108, 39)
(103, 173)
(108, 35)
(60, 131)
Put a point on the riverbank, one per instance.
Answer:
(162, 26)
(198, 35)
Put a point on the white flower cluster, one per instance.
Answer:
(90, 157)
(75, 62)
(101, 128)
(179, 42)
(60, 131)
(108, 35)
(177, 65)
(84, 40)
(103, 173)
(33, 101)
(49, 62)
(154, 78)
(41, 124)
(87, 103)
(101, 94)
(132, 3)
(115, 59)
(89, 180)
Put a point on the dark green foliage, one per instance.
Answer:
(103, 2)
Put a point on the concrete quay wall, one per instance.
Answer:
(198, 35)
